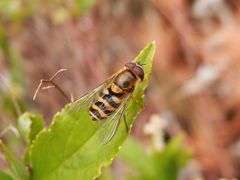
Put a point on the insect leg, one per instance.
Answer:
(124, 119)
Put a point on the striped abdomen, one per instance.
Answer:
(107, 102)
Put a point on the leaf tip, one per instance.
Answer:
(152, 44)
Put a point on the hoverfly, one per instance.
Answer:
(109, 100)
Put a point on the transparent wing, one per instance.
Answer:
(110, 124)
(85, 101)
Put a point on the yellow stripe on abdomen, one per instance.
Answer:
(116, 89)
(99, 113)
(107, 105)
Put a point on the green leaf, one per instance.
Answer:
(171, 159)
(106, 174)
(16, 73)
(5, 176)
(4, 45)
(135, 156)
(29, 126)
(156, 165)
(17, 167)
(71, 147)
(84, 5)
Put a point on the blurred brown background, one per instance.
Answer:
(195, 85)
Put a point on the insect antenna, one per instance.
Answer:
(141, 64)
(53, 85)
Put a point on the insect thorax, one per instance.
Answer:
(126, 80)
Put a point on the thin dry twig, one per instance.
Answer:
(54, 85)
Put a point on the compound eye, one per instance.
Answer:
(138, 71)
(130, 66)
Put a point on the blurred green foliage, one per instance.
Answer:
(12, 84)
(159, 165)
(16, 165)
(13, 14)
(5, 176)
(15, 11)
